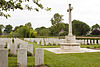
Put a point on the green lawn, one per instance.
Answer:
(63, 60)
(90, 46)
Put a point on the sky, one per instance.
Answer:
(87, 11)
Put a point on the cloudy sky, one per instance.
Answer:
(84, 10)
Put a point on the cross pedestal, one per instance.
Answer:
(70, 40)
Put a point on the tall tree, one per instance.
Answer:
(57, 18)
(54, 30)
(24, 31)
(57, 24)
(8, 29)
(28, 24)
(80, 28)
(43, 31)
(96, 26)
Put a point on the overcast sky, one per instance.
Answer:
(84, 10)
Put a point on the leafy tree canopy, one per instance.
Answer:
(43, 31)
(80, 28)
(96, 26)
(8, 29)
(25, 31)
(7, 5)
(57, 18)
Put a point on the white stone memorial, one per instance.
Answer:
(22, 58)
(70, 40)
(39, 56)
(30, 48)
(13, 48)
(3, 58)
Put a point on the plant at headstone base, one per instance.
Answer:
(44, 43)
(87, 47)
(29, 53)
(95, 47)
(49, 44)
(12, 40)
(42, 65)
(54, 44)
(40, 42)
(12, 55)
(58, 44)
(6, 45)
(18, 46)
(98, 46)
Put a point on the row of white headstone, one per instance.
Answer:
(57, 41)
(21, 55)
(46, 41)
(17, 44)
(89, 42)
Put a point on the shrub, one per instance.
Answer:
(54, 44)
(11, 55)
(29, 53)
(13, 40)
(18, 46)
(6, 45)
(87, 47)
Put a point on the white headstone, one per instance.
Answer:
(3, 58)
(23, 46)
(30, 48)
(13, 49)
(22, 57)
(1, 46)
(39, 56)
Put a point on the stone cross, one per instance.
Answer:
(70, 23)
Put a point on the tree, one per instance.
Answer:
(43, 31)
(7, 5)
(25, 31)
(54, 30)
(57, 24)
(28, 24)
(1, 27)
(8, 29)
(80, 28)
(57, 18)
(32, 33)
(96, 26)
(16, 28)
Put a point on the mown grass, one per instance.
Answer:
(63, 60)
(72, 60)
(90, 46)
